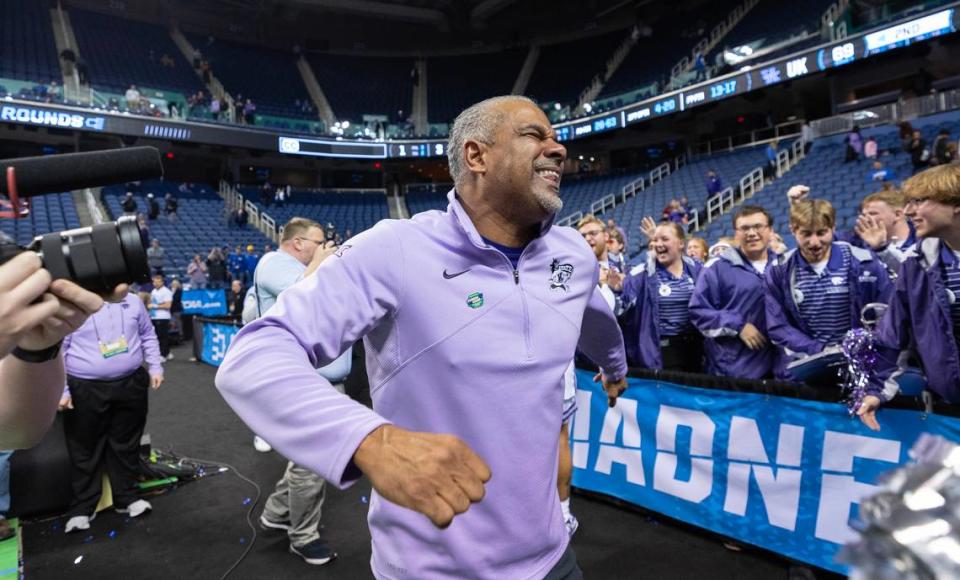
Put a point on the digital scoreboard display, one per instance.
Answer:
(327, 148)
(588, 127)
(419, 149)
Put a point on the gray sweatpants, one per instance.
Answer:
(298, 499)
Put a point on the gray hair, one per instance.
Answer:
(478, 122)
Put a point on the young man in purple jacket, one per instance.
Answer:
(727, 305)
(469, 317)
(924, 313)
(815, 293)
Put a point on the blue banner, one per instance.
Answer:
(216, 341)
(204, 302)
(780, 473)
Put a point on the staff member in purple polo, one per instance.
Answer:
(469, 317)
(105, 405)
(727, 305)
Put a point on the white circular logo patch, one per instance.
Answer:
(665, 290)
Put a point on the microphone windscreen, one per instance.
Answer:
(69, 171)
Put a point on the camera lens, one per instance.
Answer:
(97, 257)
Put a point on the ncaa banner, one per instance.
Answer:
(216, 341)
(204, 302)
(780, 473)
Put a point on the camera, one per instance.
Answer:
(97, 258)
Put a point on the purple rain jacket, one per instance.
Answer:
(729, 294)
(868, 276)
(918, 320)
(457, 342)
(641, 304)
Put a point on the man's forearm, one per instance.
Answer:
(29, 394)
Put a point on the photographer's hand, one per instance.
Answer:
(22, 282)
(74, 305)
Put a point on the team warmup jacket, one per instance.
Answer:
(729, 294)
(457, 342)
(918, 320)
(867, 280)
(641, 303)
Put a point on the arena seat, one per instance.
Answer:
(354, 210)
(421, 197)
(48, 213)
(201, 222)
(447, 94)
(563, 70)
(27, 50)
(120, 52)
(365, 85)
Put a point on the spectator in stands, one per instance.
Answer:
(854, 145)
(53, 93)
(238, 109)
(215, 109)
(884, 228)
(170, 205)
(250, 260)
(771, 169)
(235, 264)
(240, 217)
(727, 306)
(615, 250)
(156, 257)
(197, 273)
(656, 296)
(144, 230)
(611, 227)
(105, 406)
(698, 249)
(924, 314)
(132, 97)
(919, 154)
(597, 237)
(216, 268)
(249, 112)
(129, 204)
(815, 293)
(675, 213)
(806, 137)
(870, 148)
(161, 304)
(235, 300)
(941, 151)
(723, 243)
(880, 173)
(714, 185)
(153, 208)
(905, 132)
(699, 68)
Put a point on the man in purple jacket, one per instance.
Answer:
(924, 313)
(469, 317)
(727, 304)
(815, 293)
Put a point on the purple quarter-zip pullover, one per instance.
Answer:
(457, 342)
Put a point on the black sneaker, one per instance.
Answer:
(316, 552)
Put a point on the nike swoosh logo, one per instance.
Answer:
(449, 276)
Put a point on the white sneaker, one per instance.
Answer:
(260, 444)
(170, 356)
(77, 523)
(137, 508)
(572, 524)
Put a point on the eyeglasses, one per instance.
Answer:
(318, 242)
(754, 228)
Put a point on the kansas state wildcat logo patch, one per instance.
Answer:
(559, 275)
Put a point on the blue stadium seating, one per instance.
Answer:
(120, 52)
(447, 94)
(201, 222)
(348, 210)
(48, 213)
(652, 57)
(361, 85)
(421, 197)
(276, 85)
(563, 70)
(27, 50)
(770, 22)
(843, 184)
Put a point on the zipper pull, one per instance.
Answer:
(516, 276)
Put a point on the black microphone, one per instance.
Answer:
(69, 171)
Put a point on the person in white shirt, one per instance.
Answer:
(161, 301)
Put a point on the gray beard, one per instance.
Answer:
(548, 202)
